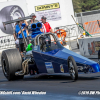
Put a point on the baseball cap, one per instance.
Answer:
(43, 17)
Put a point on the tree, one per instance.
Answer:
(76, 5)
(88, 5)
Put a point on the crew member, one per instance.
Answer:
(46, 26)
(19, 34)
(33, 20)
(15, 37)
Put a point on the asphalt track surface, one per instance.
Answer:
(57, 87)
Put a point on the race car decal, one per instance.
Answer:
(61, 68)
(49, 67)
(35, 48)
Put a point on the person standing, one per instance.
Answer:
(15, 37)
(33, 20)
(19, 34)
(45, 26)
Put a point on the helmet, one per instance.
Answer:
(45, 40)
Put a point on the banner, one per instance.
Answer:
(47, 7)
(9, 11)
(50, 11)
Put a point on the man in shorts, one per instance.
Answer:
(19, 34)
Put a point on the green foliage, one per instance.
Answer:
(86, 5)
(76, 5)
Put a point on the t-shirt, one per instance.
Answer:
(46, 27)
(17, 29)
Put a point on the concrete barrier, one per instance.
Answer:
(89, 46)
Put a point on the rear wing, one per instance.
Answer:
(16, 20)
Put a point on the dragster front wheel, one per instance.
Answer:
(72, 68)
(11, 62)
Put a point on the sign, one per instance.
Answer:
(47, 7)
(9, 11)
(61, 68)
(50, 11)
(49, 67)
(92, 27)
(7, 42)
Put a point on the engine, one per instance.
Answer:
(35, 29)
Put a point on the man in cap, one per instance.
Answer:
(46, 26)
(31, 22)
(33, 19)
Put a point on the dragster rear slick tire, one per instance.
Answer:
(11, 61)
(72, 68)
